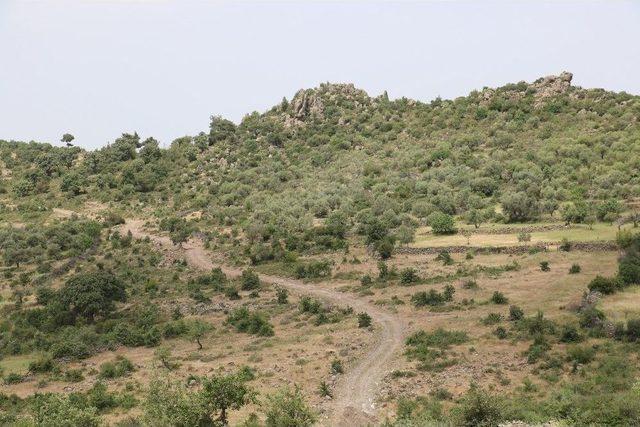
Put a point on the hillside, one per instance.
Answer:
(339, 259)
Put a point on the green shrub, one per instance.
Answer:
(544, 266)
(310, 305)
(492, 319)
(445, 257)
(499, 298)
(287, 408)
(570, 334)
(250, 322)
(364, 320)
(117, 368)
(581, 354)
(575, 269)
(515, 313)
(604, 285)
(441, 223)
(409, 276)
(500, 332)
(249, 280)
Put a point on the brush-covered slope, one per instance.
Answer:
(334, 151)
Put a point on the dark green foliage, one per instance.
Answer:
(250, 322)
(287, 408)
(282, 295)
(604, 285)
(492, 319)
(117, 368)
(515, 313)
(519, 207)
(569, 334)
(336, 367)
(429, 348)
(310, 305)
(581, 354)
(441, 223)
(314, 269)
(364, 320)
(575, 269)
(498, 298)
(249, 280)
(89, 295)
(409, 276)
(544, 266)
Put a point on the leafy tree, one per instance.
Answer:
(67, 138)
(222, 393)
(197, 330)
(441, 223)
(73, 183)
(54, 410)
(89, 295)
(519, 207)
(173, 404)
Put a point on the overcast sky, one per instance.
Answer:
(97, 68)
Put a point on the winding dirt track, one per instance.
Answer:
(355, 394)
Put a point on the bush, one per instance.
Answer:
(492, 319)
(570, 334)
(441, 223)
(544, 266)
(499, 298)
(366, 280)
(364, 320)
(42, 364)
(575, 269)
(470, 284)
(478, 408)
(581, 354)
(500, 332)
(249, 280)
(336, 367)
(515, 313)
(565, 245)
(633, 329)
(432, 298)
(250, 322)
(282, 295)
(57, 410)
(408, 276)
(604, 285)
(310, 305)
(314, 269)
(117, 368)
(445, 257)
(287, 408)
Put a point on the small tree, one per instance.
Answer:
(67, 138)
(441, 223)
(222, 393)
(197, 330)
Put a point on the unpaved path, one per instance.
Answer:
(355, 394)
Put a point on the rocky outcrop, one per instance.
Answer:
(553, 85)
(306, 103)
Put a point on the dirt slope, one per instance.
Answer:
(355, 395)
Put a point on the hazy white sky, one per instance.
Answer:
(97, 68)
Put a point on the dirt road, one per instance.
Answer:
(355, 394)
